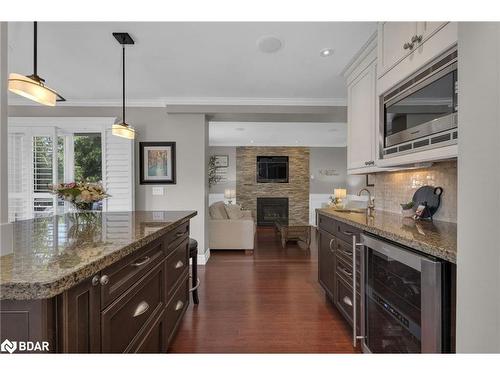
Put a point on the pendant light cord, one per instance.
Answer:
(35, 37)
(123, 97)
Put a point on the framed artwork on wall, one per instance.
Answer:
(221, 161)
(157, 162)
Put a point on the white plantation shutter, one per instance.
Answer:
(118, 172)
(19, 189)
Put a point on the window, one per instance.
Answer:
(50, 150)
(88, 157)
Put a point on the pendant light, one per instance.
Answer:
(123, 129)
(33, 86)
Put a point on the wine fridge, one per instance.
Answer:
(404, 299)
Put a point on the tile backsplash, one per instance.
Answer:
(393, 188)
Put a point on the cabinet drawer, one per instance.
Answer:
(343, 300)
(176, 307)
(176, 236)
(343, 250)
(345, 232)
(123, 274)
(327, 224)
(154, 340)
(122, 321)
(177, 263)
(344, 271)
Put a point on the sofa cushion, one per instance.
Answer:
(217, 211)
(233, 211)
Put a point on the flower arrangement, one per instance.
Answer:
(81, 194)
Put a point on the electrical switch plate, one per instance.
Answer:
(158, 190)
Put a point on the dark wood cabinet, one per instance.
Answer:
(326, 262)
(335, 266)
(134, 305)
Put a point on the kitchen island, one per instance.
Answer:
(95, 282)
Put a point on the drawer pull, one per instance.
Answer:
(347, 301)
(348, 233)
(331, 244)
(141, 308)
(347, 253)
(178, 265)
(104, 280)
(179, 234)
(179, 305)
(344, 271)
(141, 262)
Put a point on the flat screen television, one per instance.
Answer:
(272, 169)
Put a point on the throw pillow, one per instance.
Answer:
(217, 211)
(234, 211)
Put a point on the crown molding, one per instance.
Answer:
(369, 46)
(165, 101)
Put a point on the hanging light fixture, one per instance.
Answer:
(123, 129)
(33, 86)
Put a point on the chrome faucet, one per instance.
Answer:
(371, 201)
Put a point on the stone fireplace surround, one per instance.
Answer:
(296, 190)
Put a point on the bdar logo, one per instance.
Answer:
(8, 346)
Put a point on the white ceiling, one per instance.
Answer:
(82, 60)
(310, 134)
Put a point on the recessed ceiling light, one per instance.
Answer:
(325, 52)
(269, 44)
(251, 141)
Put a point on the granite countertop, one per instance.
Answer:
(436, 238)
(43, 257)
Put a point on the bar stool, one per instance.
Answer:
(195, 281)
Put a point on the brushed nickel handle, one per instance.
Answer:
(330, 244)
(141, 308)
(348, 233)
(416, 39)
(346, 253)
(347, 301)
(141, 262)
(408, 46)
(95, 280)
(344, 271)
(104, 280)
(179, 234)
(178, 265)
(355, 336)
(179, 305)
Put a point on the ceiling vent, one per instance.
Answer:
(269, 44)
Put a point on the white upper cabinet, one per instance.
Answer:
(404, 47)
(361, 78)
(393, 37)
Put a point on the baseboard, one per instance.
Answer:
(203, 258)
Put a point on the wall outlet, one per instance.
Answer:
(158, 190)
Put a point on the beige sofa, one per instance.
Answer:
(230, 228)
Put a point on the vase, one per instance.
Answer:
(83, 206)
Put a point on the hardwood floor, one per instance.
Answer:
(265, 302)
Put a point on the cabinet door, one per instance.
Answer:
(361, 98)
(391, 38)
(326, 262)
(427, 29)
(79, 312)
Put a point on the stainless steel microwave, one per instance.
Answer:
(421, 113)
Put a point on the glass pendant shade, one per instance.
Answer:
(32, 89)
(123, 130)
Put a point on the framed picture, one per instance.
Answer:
(157, 162)
(370, 180)
(221, 161)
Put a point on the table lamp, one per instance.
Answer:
(339, 195)
(230, 194)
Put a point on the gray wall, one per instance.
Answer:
(4, 208)
(332, 158)
(189, 131)
(231, 171)
(478, 258)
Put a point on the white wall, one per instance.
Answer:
(4, 208)
(231, 170)
(189, 131)
(478, 258)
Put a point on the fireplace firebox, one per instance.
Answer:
(270, 210)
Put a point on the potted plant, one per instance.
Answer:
(408, 209)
